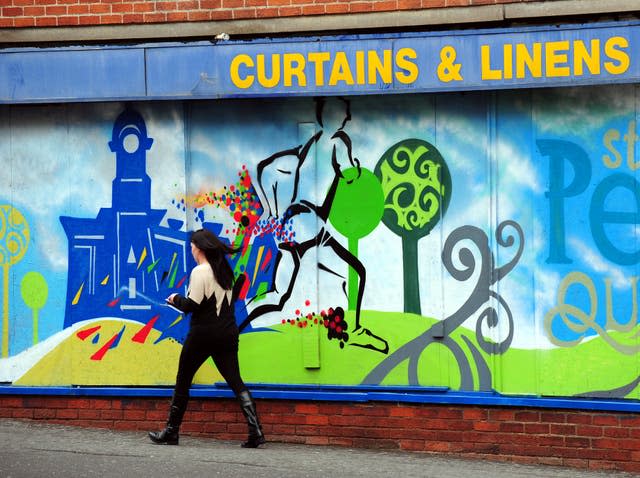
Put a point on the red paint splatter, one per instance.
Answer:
(245, 287)
(141, 336)
(103, 350)
(113, 302)
(83, 334)
(266, 260)
(181, 282)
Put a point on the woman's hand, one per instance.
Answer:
(170, 298)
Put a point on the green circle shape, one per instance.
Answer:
(34, 290)
(358, 204)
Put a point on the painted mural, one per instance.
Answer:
(476, 241)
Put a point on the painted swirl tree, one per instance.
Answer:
(467, 256)
(356, 211)
(416, 184)
(14, 240)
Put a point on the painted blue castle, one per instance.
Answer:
(123, 263)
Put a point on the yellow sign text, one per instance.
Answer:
(556, 59)
(324, 68)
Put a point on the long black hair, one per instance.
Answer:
(215, 250)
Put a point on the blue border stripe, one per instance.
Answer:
(354, 394)
(227, 69)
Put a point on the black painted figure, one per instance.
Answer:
(280, 194)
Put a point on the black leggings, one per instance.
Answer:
(203, 342)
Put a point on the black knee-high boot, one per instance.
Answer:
(170, 436)
(256, 437)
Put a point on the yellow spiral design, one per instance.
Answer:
(14, 241)
(14, 235)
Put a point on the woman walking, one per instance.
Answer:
(213, 333)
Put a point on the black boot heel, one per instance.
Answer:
(168, 436)
(254, 442)
(256, 437)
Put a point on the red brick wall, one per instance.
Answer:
(580, 439)
(46, 13)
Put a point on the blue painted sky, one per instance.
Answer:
(488, 144)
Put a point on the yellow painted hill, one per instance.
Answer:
(129, 363)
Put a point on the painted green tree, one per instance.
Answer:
(416, 184)
(34, 291)
(356, 211)
(14, 241)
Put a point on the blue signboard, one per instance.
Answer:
(350, 65)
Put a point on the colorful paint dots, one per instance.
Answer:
(281, 230)
(240, 199)
(333, 320)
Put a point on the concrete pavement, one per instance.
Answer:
(32, 449)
